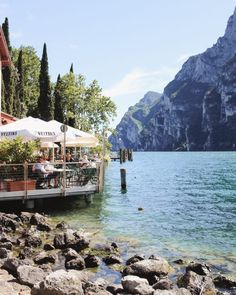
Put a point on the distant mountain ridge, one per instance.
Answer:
(132, 123)
(197, 110)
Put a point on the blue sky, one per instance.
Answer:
(129, 46)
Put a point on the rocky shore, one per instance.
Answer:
(41, 258)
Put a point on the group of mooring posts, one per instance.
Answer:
(125, 155)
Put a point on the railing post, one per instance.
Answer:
(25, 181)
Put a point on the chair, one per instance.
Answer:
(41, 181)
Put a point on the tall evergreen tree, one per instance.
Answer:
(9, 75)
(19, 104)
(31, 70)
(5, 28)
(58, 102)
(71, 69)
(45, 102)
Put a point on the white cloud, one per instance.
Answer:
(141, 81)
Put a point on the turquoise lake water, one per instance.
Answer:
(188, 201)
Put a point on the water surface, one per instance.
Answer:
(188, 201)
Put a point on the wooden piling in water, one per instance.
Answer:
(123, 178)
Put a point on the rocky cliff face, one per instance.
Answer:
(128, 131)
(198, 108)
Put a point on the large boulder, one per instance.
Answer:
(199, 268)
(33, 241)
(163, 284)
(30, 275)
(112, 259)
(37, 219)
(3, 253)
(60, 282)
(197, 284)
(45, 257)
(59, 241)
(8, 223)
(95, 289)
(77, 263)
(92, 261)
(11, 265)
(7, 289)
(224, 282)
(148, 268)
(136, 285)
(75, 240)
(134, 259)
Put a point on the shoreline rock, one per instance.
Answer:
(38, 257)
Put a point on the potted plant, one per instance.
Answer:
(17, 154)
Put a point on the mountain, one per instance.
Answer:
(128, 131)
(197, 111)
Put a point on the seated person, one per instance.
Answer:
(43, 174)
(69, 157)
(96, 158)
(85, 162)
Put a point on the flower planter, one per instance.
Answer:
(20, 185)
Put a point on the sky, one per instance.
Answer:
(129, 46)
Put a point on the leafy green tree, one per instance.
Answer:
(85, 106)
(72, 90)
(59, 102)
(30, 73)
(45, 103)
(99, 109)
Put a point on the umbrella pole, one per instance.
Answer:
(64, 163)
(0, 92)
(53, 152)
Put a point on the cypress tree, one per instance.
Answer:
(71, 69)
(45, 103)
(5, 28)
(58, 100)
(8, 75)
(19, 106)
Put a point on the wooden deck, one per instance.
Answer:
(87, 189)
(80, 182)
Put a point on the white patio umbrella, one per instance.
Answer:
(29, 128)
(49, 145)
(74, 137)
